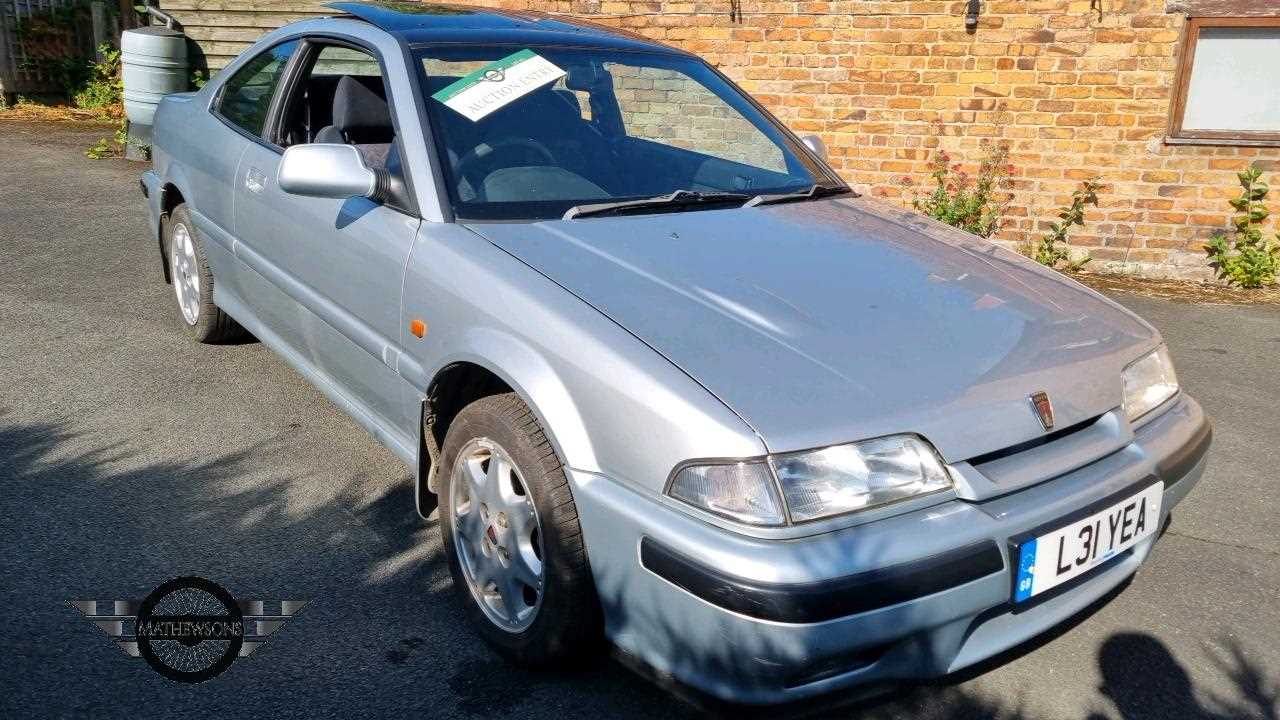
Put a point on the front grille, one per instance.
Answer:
(981, 460)
(1052, 454)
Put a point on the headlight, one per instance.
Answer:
(742, 491)
(816, 483)
(860, 475)
(1149, 382)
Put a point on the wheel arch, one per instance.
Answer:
(172, 194)
(467, 377)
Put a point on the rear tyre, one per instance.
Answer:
(193, 282)
(512, 535)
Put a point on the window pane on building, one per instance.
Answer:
(1235, 80)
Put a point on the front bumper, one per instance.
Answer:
(918, 595)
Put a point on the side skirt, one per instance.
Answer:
(405, 448)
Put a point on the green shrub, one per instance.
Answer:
(104, 87)
(976, 205)
(1052, 251)
(1249, 259)
(116, 146)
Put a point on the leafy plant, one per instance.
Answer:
(198, 79)
(104, 92)
(1052, 250)
(116, 145)
(1249, 259)
(105, 87)
(101, 149)
(976, 205)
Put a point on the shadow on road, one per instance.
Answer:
(69, 511)
(1129, 660)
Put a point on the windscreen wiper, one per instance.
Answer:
(810, 193)
(675, 200)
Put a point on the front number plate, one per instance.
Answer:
(1048, 560)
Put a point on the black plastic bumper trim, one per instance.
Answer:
(827, 599)
(1182, 461)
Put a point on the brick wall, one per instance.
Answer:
(1077, 88)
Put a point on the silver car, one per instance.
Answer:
(669, 381)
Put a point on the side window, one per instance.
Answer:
(668, 107)
(341, 98)
(246, 97)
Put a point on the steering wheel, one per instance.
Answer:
(473, 165)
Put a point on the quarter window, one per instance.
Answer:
(1228, 87)
(246, 97)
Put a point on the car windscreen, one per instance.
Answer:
(526, 133)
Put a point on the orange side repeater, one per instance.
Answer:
(417, 327)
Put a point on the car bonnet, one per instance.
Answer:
(831, 321)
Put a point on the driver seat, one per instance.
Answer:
(361, 117)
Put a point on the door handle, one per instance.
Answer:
(254, 180)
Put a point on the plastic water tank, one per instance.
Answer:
(154, 63)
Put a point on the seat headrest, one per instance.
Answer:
(359, 110)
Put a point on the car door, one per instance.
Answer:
(331, 270)
(237, 116)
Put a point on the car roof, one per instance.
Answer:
(427, 23)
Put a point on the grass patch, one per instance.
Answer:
(26, 110)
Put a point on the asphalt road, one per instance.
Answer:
(129, 456)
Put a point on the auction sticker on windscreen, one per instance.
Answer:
(498, 84)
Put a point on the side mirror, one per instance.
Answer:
(815, 144)
(328, 171)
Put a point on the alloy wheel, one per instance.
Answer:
(185, 272)
(497, 534)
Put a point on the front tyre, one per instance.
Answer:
(193, 282)
(511, 533)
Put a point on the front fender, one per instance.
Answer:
(529, 374)
(609, 404)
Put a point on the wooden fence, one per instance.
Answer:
(20, 68)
